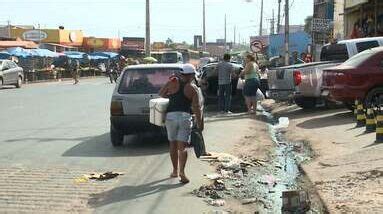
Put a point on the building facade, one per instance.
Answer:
(323, 21)
(363, 18)
(339, 19)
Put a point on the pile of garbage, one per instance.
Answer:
(229, 167)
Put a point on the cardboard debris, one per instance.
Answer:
(97, 176)
(217, 203)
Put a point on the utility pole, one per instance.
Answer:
(261, 22)
(235, 29)
(279, 17)
(9, 29)
(225, 33)
(287, 32)
(272, 31)
(204, 26)
(147, 38)
(272, 23)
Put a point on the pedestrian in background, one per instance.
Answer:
(252, 83)
(183, 100)
(225, 70)
(75, 66)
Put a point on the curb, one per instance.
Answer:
(304, 173)
(61, 80)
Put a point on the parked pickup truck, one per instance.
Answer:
(302, 83)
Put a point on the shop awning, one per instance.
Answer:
(22, 44)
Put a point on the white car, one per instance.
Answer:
(137, 85)
(10, 74)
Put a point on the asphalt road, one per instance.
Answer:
(53, 133)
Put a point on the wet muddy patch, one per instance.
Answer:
(261, 182)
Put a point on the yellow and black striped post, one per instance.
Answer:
(356, 107)
(370, 120)
(360, 116)
(379, 126)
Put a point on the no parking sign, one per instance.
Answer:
(256, 46)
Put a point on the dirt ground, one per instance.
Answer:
(347, 169)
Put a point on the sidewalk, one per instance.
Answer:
(348, 168)
(63, 79)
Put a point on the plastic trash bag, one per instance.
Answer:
(283, 123)
(260, 95)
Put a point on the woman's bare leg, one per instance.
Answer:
(182, 155)
(174, 157)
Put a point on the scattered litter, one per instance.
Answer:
(271, 181)
(232, 165)
(217, 203)
(214, 176)
(219, 185)
(103, 176)
(295, 201)
(82, 179)
(249, 201)
(226, 174)
(283, 123)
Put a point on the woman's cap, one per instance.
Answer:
(187, 69)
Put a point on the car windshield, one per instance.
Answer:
(144, 81)
(358, 59)
(170, 58)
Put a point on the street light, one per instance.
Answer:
(147, 37)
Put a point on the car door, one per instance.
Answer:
(13, 72)
(6, 73)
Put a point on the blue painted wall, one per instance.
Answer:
(297, 42)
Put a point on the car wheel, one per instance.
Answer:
(19, 82)
(116, 137)
(305, 102)
(374, 97)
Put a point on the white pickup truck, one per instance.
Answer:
(302, 82)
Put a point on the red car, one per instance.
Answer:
(360, 77)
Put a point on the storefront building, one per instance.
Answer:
(363, 18)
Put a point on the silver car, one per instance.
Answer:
(10, 74)
(129, 110)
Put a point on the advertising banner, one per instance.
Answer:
(133, 43)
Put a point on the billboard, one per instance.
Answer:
(92, 43)
(133, 43)
(63, 37)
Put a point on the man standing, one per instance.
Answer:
(225, 70)
(74, 66)
(183, 100)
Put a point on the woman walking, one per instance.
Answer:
(252, 83)
(183, 100)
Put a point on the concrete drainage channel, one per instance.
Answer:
(274, 186)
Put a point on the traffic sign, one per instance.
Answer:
(256, 46)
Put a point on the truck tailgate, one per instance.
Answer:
(281, 84)
(312, 80)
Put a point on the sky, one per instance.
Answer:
(178, 20)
